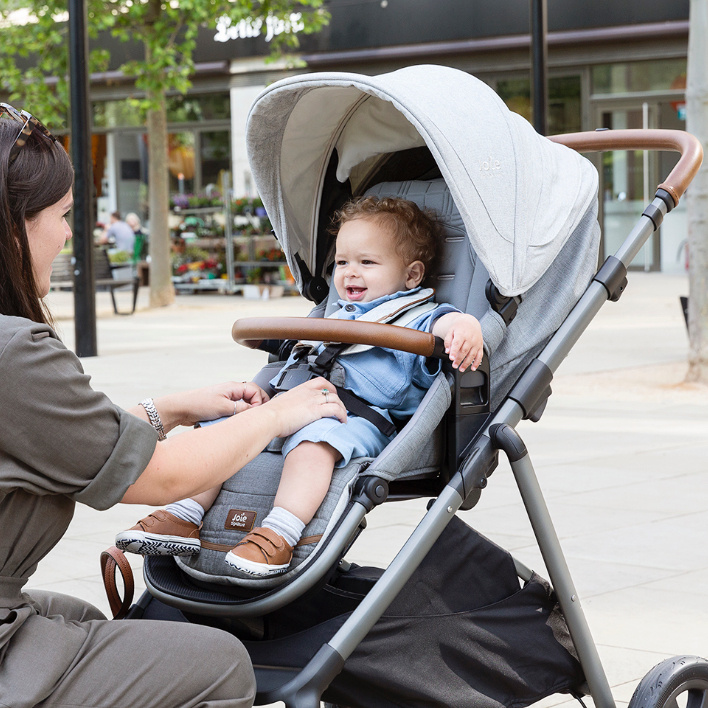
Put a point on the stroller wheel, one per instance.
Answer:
(679, 681)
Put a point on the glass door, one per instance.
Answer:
(627, 184)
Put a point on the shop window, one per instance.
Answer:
(564, 112)
(640, 76)
(198, 107)
(180, 162)
(111, 114)
(180, 109)
(215, 152)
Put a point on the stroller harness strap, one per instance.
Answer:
(400, 312)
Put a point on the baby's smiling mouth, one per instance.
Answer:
(354, 293)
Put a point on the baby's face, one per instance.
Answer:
(368, 265)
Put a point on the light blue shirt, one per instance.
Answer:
(393, 382)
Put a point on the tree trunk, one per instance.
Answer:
(162, 291)
(697, 195)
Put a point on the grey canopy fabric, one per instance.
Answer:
(520, 195)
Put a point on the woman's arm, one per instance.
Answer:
(203, 404)
(202, 458)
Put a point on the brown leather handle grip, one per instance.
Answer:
(251, 331)
(676, 140)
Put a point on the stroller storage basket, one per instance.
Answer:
(462, 633)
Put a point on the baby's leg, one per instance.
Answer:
(307, 473)
(194, 508)
(172, 531)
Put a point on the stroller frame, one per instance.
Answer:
(526, 400)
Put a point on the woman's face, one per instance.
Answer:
(47, 234)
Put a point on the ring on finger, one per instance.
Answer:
(325, 393)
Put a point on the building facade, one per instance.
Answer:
(610, 65)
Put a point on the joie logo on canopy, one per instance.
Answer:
(240, 520)
(249, 28)
(490, 165)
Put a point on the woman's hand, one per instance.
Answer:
(218, 401)
(209, 403)
(304, 404)
(197, 460)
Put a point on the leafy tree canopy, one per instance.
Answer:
(34, 57)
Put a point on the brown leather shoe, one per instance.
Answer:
(262, 552)
(161, 534)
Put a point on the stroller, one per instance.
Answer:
(454, 620)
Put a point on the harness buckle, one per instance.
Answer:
(291, 377)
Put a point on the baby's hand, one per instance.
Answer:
(463, 341)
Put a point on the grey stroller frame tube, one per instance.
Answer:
(508, 440)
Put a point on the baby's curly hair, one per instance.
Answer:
(416, 231)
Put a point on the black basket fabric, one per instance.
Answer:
(461, 633)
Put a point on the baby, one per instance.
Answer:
(384, 248)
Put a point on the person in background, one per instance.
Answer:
(119, 234)
(140, 248)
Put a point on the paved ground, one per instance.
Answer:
(621, 455)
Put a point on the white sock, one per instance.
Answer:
(285, 523)
(187, 510)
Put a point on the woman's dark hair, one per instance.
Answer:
(39, 177)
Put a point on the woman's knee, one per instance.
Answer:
(222, 668)
(239, 683)
(68, 606)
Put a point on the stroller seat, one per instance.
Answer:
(411, 456)
(424, 454)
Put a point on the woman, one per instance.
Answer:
(62, 443)
(140, 249)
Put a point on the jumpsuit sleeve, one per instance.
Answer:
(58, 435)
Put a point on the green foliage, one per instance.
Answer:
(120, 257)
(37, 50)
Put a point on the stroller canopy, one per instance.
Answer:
(520, 195)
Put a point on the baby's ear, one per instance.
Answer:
(416, 271)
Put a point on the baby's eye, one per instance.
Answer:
(367, 262)
(341, 263)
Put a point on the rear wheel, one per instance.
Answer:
(680, 682)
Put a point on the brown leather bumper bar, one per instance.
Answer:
(250, 331)
(675, 140)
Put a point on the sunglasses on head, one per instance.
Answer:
(29, 123)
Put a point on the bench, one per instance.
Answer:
(63, 276)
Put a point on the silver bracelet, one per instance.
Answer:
(153, 417)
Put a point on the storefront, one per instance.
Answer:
(610, 65)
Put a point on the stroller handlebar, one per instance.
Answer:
(251, 331)
(676, 140)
